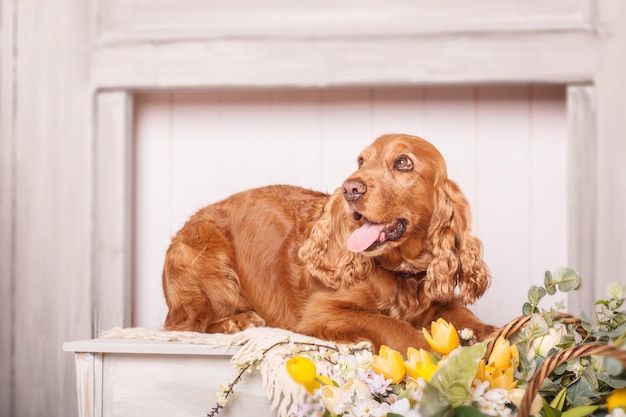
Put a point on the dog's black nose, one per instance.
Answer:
(352, 190)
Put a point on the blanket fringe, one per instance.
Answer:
(271, 347)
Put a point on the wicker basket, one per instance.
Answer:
(591, 349)
(552, 362)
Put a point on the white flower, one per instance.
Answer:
(467, 334)
(417, 389)
(377, 383)
(542, 345)
(490, 402)
(368, 407)
(348, 366)
(400, 406)
(306, 410)
(617, 412)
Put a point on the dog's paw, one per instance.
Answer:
(239, 322)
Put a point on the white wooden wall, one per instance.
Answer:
(69, 71)
(505, 146)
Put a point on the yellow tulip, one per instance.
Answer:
(421, 355)
(504, 355)
(389, 363)
(420, 364)
(423, 370)
(303, 371)
(496, 377)
(444, 337)
(616, 399)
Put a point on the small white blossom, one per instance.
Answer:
(467, 334)
(313, 409)
(617, 412)
(400, 407)
(490, 402)
(377, 383)
(221, 399)
(368, 407)
(348, 366)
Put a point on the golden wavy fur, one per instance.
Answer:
(383, 256)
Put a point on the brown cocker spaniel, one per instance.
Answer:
(384, 255)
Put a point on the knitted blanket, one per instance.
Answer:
(280, 389)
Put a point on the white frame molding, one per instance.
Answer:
(67, 102)
(562, 49)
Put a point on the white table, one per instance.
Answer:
(128, 377)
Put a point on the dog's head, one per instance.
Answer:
(411, 218)
(402, 213)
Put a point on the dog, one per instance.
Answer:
(382, 256)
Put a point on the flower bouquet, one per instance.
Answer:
(544, 363)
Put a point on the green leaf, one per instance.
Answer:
(581, 411)
(433, 402)
(559, 401)
(567, 279)
(466, 411)
(536, 327)
(612, 366)
(455, 377)
(614, 383)
(549, 283)
(549, 411)
(527, 309)
(535, 294)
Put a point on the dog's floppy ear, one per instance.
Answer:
(325, 252)
(457, 254)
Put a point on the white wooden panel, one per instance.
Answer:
(346, 131)
(153, 202)
(7, 209)
(450, 115)
(134, 20)
(561, 57)
(112, 211)
(168, 385)
(52, 118)
(505, 146)
(582, 192)
(503, 197)
(610, 249)
(548, 208)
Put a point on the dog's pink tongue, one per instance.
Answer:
(363, 237)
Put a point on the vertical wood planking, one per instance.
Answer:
(503, 145)
(346, 130)
(53, 201)
(610, 247)
(153, 192)
(450, 124)
(112, 211)
(7, 206)
(503, 197)
(548, 209)
(582, 192)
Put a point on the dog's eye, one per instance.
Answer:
(360, 161)
(403, 164)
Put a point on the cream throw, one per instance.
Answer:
(280, 389)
